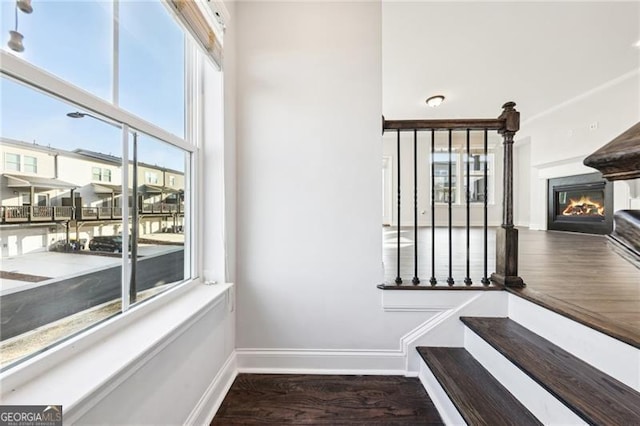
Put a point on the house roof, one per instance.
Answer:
(106, 188)
(37, 182)
(153, 189)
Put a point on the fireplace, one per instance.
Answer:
(582, 203)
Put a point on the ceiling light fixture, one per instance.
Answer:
(434, 101)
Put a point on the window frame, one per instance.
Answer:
(459, 171)
(34, 165)
(34, 78)
(17, 163)
(96, 174)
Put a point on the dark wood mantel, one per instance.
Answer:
(620, 158)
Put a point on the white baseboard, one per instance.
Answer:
(318, 361)
(206, 408)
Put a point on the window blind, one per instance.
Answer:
(191, 15)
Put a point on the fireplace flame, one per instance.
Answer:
(585, 206)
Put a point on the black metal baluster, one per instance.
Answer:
(485, 280)
(450, 280)
(398, 279)
(433, 279)
(415, 279)
(467, 279)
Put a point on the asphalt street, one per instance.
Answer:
(26, 310)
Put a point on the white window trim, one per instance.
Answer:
(144, 330)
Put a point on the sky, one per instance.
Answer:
(74, 41)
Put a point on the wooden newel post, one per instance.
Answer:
(507, 235)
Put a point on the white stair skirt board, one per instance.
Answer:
(210, 402)
(541, 403)
(448, 330)
(611, 356)
(449, 413)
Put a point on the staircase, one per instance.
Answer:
(620, 160)
(508, 375)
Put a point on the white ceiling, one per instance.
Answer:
(481, 54)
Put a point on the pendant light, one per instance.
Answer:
(15, 37)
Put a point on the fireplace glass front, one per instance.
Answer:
(582, 203)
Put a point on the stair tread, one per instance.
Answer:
(593, 395)
(479, 397)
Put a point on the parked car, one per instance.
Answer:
(78, 244)
(111, 243)
(63, 246)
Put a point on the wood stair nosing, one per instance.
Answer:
(478, 396)
(593, 395)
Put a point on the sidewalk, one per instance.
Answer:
(55, 265)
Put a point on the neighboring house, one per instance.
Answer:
(44, 189)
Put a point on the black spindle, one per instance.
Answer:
(485, 280)
(467, 279)
(450, 280)
(433, 280)
(398, 279)
(415, 279)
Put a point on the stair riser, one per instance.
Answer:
(449, 331)
(541, 403)
(447, 410)
(615, 358)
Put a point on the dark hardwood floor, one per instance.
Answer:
(326, 400)
(577, 275)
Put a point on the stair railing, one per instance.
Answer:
(507, 124)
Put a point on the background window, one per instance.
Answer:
(477, 161)
(42, 200)
(96, 173)
(151, 178)
(12, 162)
(106, 175)
(30, 164)
(444, 182)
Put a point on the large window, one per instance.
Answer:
(446, 183)
(112, 198)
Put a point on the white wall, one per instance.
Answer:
(562, 138)
(521, 179)
(169, 384)
(309, 177)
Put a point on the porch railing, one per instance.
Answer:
(506, 264)
(25, 214)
